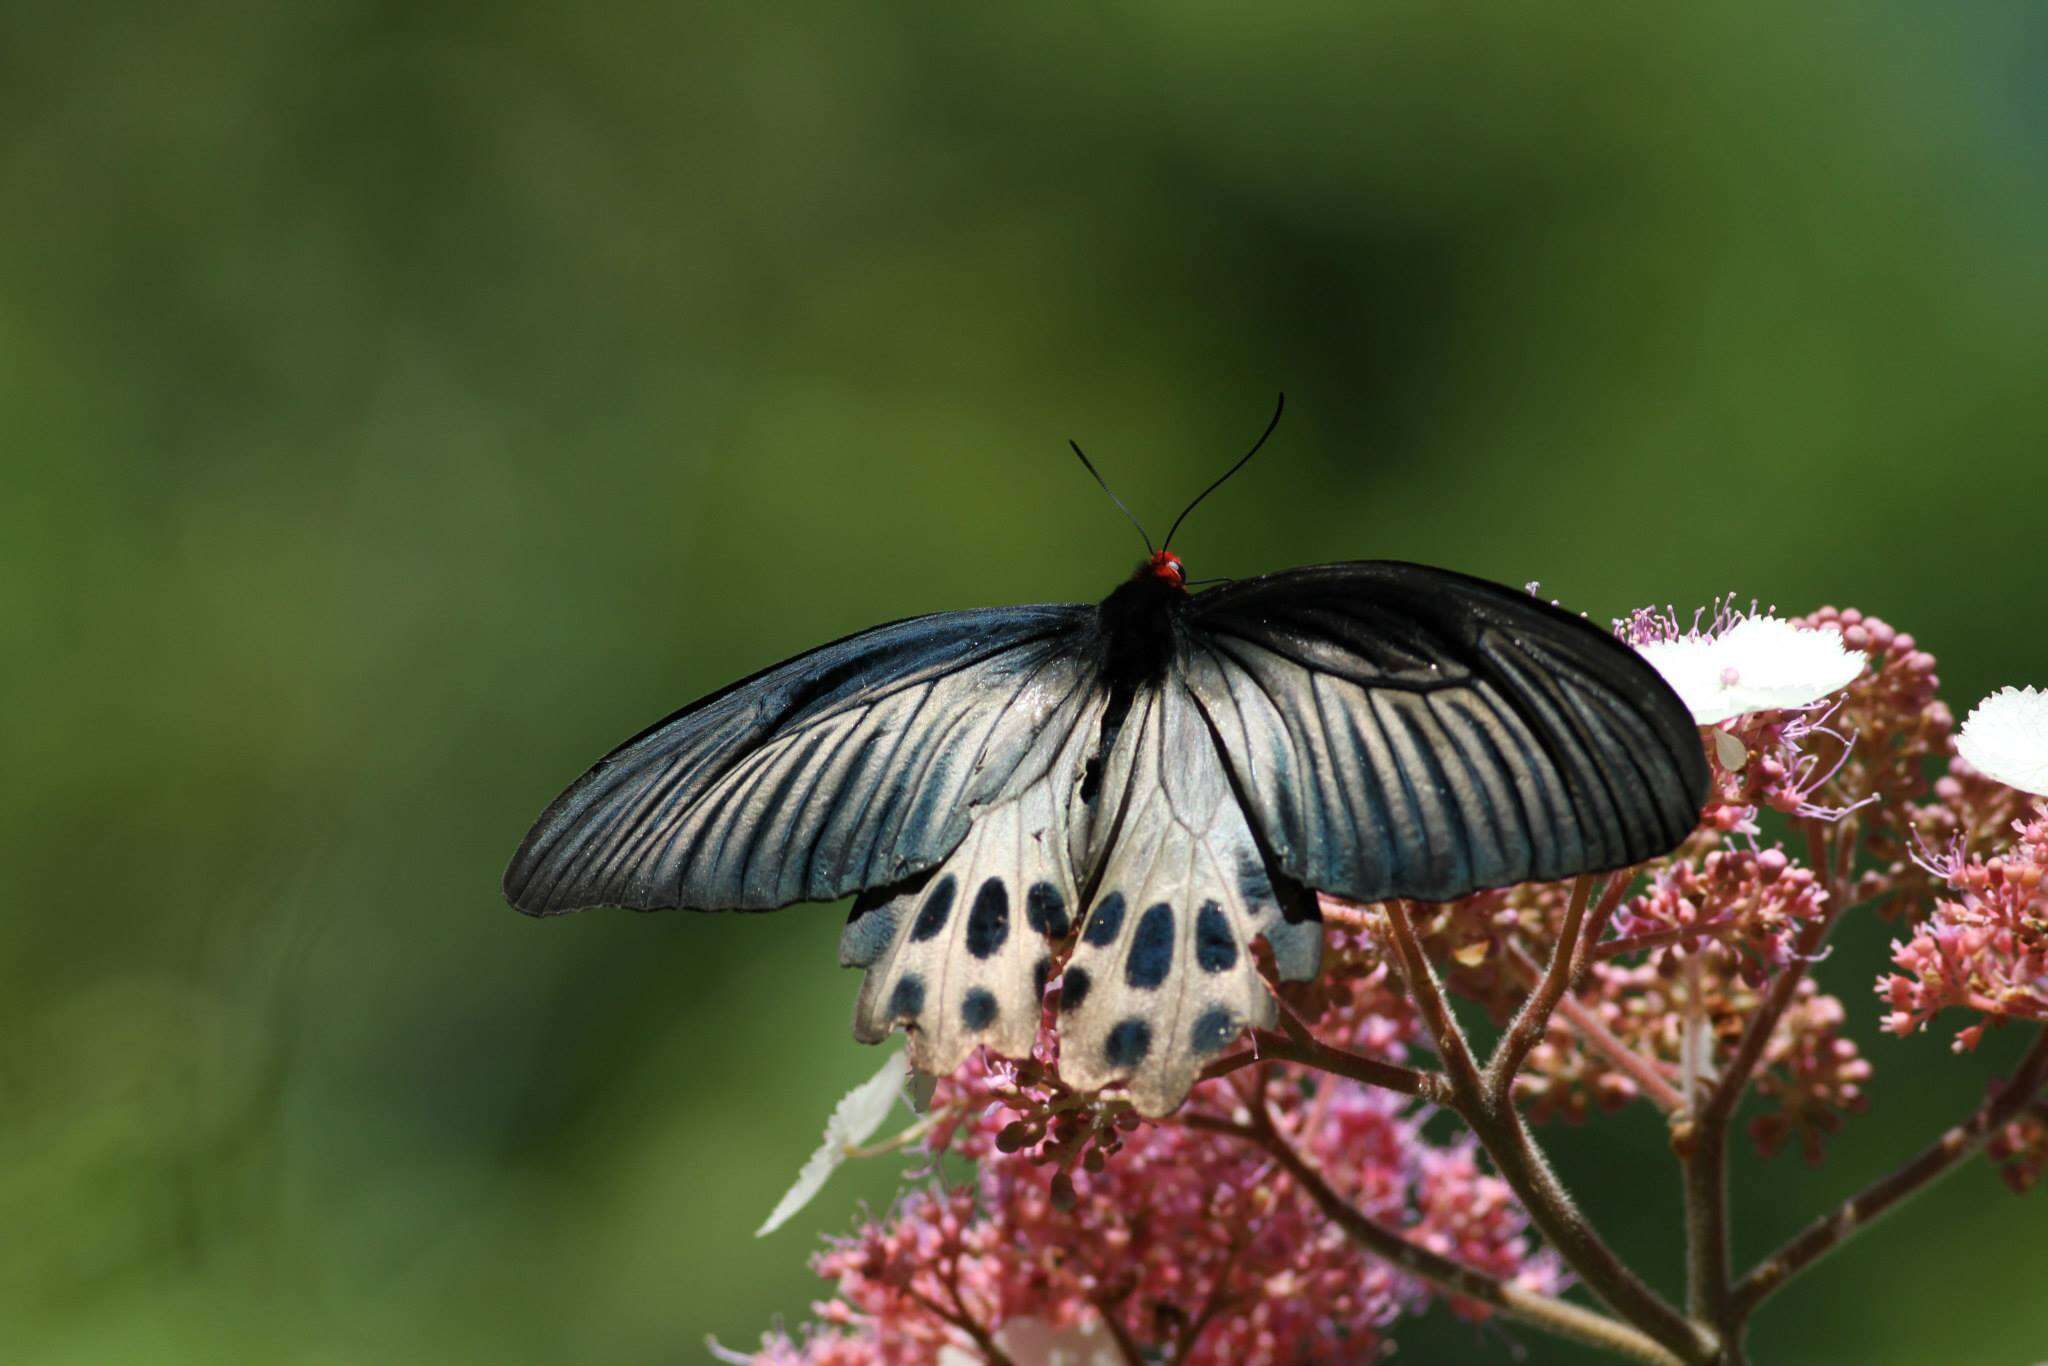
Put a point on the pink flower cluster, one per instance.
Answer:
(1811, 1075)
(1749, 903)
(1985, 947)
(1893, 710)
(2019, 1148)
(1165, 1237)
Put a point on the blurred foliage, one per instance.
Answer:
(405, 402)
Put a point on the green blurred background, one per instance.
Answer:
(403, 403)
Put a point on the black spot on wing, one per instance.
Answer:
(1215, 945)
(1074, 985)
(1128, 1043)
(988, 924)
(1106, 921)
(978, 1009)
(1151, 956)
(1046, 910)
(1213, 1030)
(1040, 971)
(938, 904)
(907, 1001)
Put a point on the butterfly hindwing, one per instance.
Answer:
(962, 956)
(1163, 978)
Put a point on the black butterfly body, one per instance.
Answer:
(1191, 769)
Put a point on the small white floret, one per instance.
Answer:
(854, 1120)
(2005, 738)
(1758, 664)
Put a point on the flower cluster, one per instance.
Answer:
(1747, 904)
(1974, 808)
(1088, 1224)
(1984, 948)
(2020, 1147)
(1674, 982)
(1812, 1076)
(1893, 709)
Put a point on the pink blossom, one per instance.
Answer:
(2019, 1149)
(1079, 1210)
(1985, 948)
(1812, 1076)
(1750, 902)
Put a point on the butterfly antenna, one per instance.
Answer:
(1278, 409)
(1090, 467)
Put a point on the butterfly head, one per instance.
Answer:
(1165, 567)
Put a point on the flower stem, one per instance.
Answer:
(1641, 1070)
(1428, 995)
(1557, 1316)
(1936, 1160)
(1500, 1131)
(1126, 1346)
(1701, 1136)
(990, 1350)
(1703, 1158)
(1429, 1086)
(1596, 924)
(1526, 1030)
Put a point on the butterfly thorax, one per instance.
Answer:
(1137, 625)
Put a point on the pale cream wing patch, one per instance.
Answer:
(1162, 979)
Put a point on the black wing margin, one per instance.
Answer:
(851, 766)
(1399, 730)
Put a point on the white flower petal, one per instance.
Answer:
(1730, 751)
(1758, 664)
(2005, 738)
(854, 1120)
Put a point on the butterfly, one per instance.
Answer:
(1187, 768)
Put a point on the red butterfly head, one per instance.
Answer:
(1166, 567)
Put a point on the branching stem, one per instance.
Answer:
(1936, 1160)
(1526, 1030)
(1553, 1315)
(1500, 1131)
(1641, 1070)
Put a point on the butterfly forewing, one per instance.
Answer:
(852, 766)
(1397, 730)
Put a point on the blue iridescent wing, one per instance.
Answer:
(854, 765)
(1399, 730)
